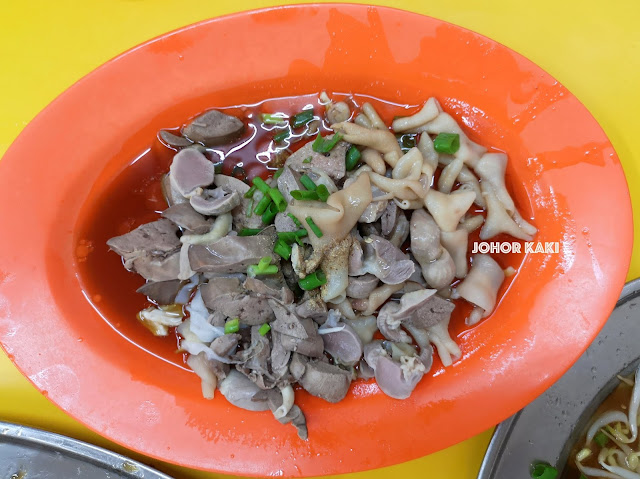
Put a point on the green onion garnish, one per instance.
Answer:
(249, 231)
(261, 185)
(278, 199)
(232, 326)
(295, 220)
(352, 158)
(282, 249)
(601, 439)
(302, 118)
(304, 195)
(273, 118)
(320, 145)
(269, 215)
(314, 227)
(323, 192)
(582, 476)
(264, 266)
(280, 137)
(249, 211)
(447, 143)
(262, 205)
(312, 281)
(264, 329)
(252, 190)
(307, 160)
(291, 236)
(543, 471)
(277, 174)
(307, 182)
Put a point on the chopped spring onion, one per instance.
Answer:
(307, 159)
(447, 143)
(269, 215)
(320, 145)
(280, 137)
(601, 439)
(582, 476)
(352, 158)
(249, 231)
(304, 195)
(323, 192)
(282, 249)
(264, 329)
(249, 211)
(307, 182)
(277, 174)
(261, 185)
(302, 118)
(314, 227)
(312, 281)
(290, 236)
(252, 190)
(274, 118)
(543, 471)
(295, 220)
(264, 266)
(278, 199)
(232, 326)
(262, 205)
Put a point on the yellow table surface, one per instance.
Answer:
(591, 46)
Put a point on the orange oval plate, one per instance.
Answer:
(562, 167)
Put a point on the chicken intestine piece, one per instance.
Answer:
(438, 268)
(337, 112)
(200, 365)
(409, 166)
(447, 348)
(335, 267)
(362, 120)
(288, 398)
(185, 265)
(524, 225)
(429, 154)
(427, 113)
(373, 117)
(440, 273)
(335, 219)
(482, 283)
(456, 242)
(469, 151)
(376, 299)
(219, 229)
(382, 140)
(449, 175)
(374, 159)
(471, 222)
(401, 189)
(425, 237)
(491, 169)
(498, 219)
(467, 179)
(447, 210)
